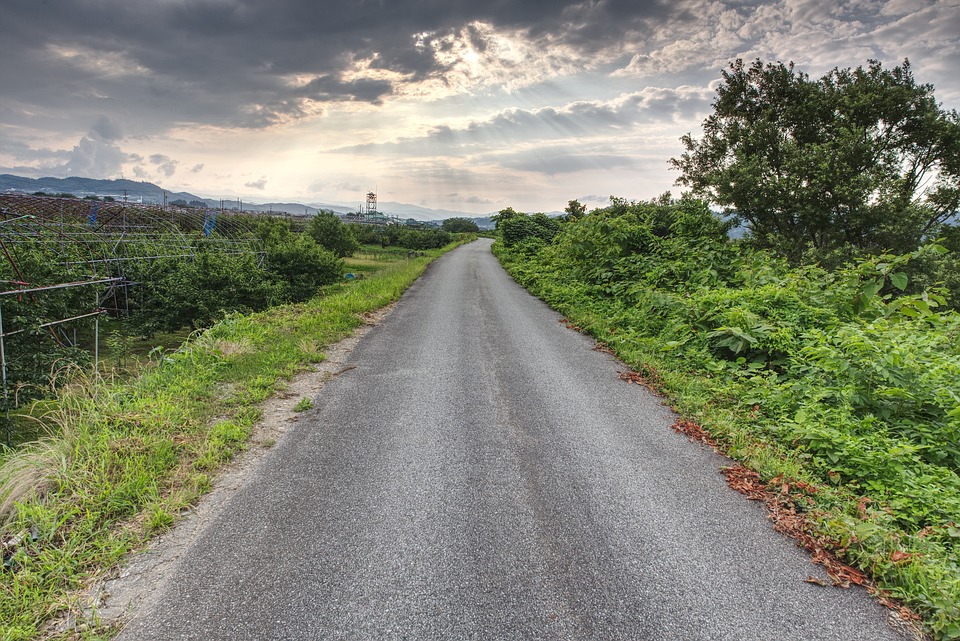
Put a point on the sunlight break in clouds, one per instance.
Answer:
(452, 104)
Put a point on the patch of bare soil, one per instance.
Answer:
(113, 600)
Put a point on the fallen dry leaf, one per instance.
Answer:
(898, 556)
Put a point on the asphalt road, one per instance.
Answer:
(484, 474)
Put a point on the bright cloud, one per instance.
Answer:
(450, 103)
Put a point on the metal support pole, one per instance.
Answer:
(3, 360)
(96, 338)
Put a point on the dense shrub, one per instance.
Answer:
(419, 239)
(366, 234)
(521, 228)
(295, 264)
(460, 226)
(173, 293)
(299, 267)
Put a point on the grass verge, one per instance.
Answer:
(124, 459)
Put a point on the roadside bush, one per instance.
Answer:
(420, 239)
(174, 293)
(520, 227)
(365, 234)
(300, 267)
(296, 266)
(460, 225)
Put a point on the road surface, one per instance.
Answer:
(482, 473)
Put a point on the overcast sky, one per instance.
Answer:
(468, 105)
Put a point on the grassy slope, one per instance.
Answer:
(127, 458)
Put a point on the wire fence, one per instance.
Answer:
(66, 261)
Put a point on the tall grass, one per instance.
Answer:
(124, 459)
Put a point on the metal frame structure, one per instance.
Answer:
(368, 214)
(95, 242)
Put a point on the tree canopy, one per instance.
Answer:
(575, 210)
(862, 159)
(460, 225)
(327, 230)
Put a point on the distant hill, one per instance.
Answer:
(138, 191)
(151, 194)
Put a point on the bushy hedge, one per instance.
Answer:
(193, 289)
(400, 236)
(198, 290)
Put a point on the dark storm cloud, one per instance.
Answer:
(228, 62)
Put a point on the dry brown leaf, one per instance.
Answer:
(898, 556)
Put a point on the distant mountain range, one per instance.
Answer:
(149, 193)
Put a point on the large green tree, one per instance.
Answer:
(862, 159)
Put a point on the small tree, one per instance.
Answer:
(575, 210)
(329, 232)
(300, 267)
(505, 214)
(862, 159)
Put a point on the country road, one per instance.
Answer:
(482, 473)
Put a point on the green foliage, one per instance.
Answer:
(523, 228)
(120, 345)
(34, 355)
(420, 239)
(460, 225)
(367, 234)
(851, 377)
(327, 230)
(296, 266)
(54, 195)
(504, 214)
(575, 210)
(860, 160)
(198, 292)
